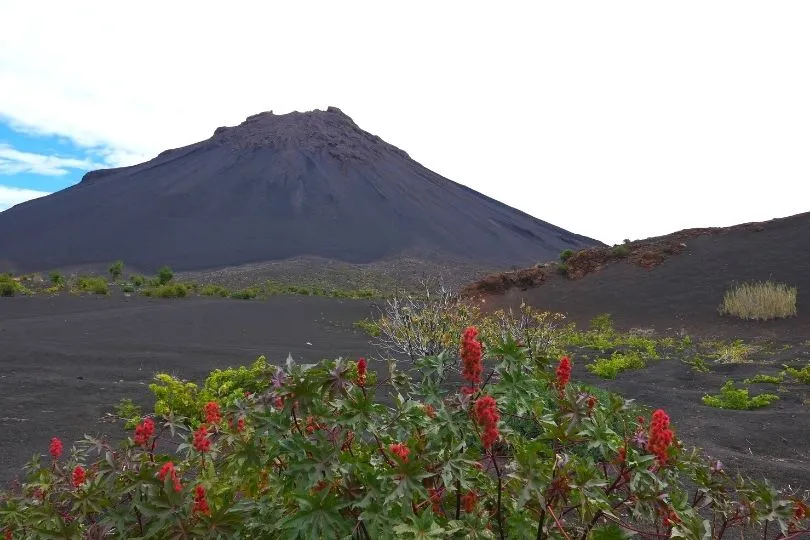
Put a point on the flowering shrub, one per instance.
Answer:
(322, 452)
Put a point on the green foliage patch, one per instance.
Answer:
(738, 398)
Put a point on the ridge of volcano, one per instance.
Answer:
(272, 188)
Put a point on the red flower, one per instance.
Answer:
(312, 425)
(487, 416)
(169, 469)
(436, 500)
(144, 431)
(7, 534)
(591, 402)
(800, 510)
(200, 501)
(55, 448)
(563, 373)
(79, 476)
(468, 501)
(240, 424)
(278, 402)
(429, 410)
(401, 450)
(361, 372)
(212, 414)
(661, 436)
(471, 356)
(202, 443)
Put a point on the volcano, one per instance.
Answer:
(272, 188)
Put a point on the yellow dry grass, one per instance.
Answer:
(760, 301)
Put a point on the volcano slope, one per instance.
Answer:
(673, 285)
(274, 187)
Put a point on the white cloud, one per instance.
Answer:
(13, 161)
(9, 196)
(612, 119)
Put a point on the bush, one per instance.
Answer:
(608, 368)
(165, 275)
(93, 285)
(760, 301)
(245, 294)
(57, 279)
(214, 290)
(765, 379)
(621, 251)
(170, 290)
(369, 326)
(738, 398)
(7, 288)
(314, 452)
(116, 269)
(562, 269)
(128, 288)
(566, 254)
(801, 375)
(137, 280)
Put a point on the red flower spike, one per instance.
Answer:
(401, 450)
(436, 500)
(55, 448)
(169, 469)
(468, 501)
(201, 501)
(144, 432)
(8, 535)
(487, 416)
(361, 372)
(240, 424)
(79, 476)
(212, 412)
(563, 373)
(201, 442)
(429, 410)
(471, 356)
(661, 437)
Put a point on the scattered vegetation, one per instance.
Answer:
(137, 280)
(736, 352)
(698, 364)
(246, 294)
(369, 326)
(760, 301)
(57, 279)
(91, 284)
(165, 275)
(116, 269)
(738, 398)
(802, 375)
(608, 368)
(169, 290)
(566, 254)
(214, 290)
(761, 378)
(621, 251)
(562, 269)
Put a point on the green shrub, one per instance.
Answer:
(760, 301)
(169, 290)
(7, 288)
(214, 290)
(93, 285)
(128, 288)
(369, 326)
(57, 279)
(738, 398)
(621, 251)
(116, 269)
(562, 269)
(608, 368)
(245, 294)
(801, 375)
(765, 379)
(165, 275)
(137, 280)
(225, 386)
(698, 364)
(566, 254)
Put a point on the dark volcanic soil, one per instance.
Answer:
(65, 361)
(272, 188)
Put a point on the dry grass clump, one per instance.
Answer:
(760, 301)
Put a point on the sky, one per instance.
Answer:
(621, 119)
